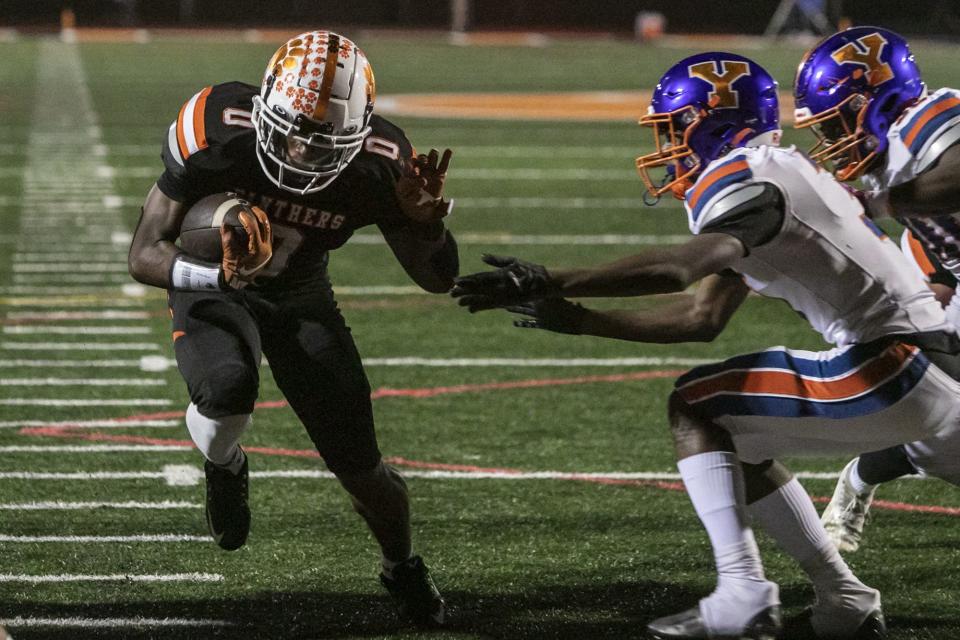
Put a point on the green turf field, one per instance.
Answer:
(516, 556)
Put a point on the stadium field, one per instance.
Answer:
(544, 493)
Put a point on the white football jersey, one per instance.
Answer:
(918, 137)
(828, 261)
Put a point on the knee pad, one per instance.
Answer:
(228, 390)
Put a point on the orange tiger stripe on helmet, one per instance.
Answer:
(329, 73)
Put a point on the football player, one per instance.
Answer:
(766, 219)
(306, 150)
(861, 93)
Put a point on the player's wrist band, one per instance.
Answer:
(194, 275)
(878, 203)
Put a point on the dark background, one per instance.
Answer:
(917, 17)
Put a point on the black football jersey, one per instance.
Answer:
(211, 148)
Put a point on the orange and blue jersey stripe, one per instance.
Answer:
(928, 120)
(714, 181)
(847, 383)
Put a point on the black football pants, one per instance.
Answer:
(218, 339)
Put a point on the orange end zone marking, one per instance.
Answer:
(594, 106)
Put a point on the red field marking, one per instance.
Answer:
(66, 430)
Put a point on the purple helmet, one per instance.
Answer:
(850, 88)
(703, 107)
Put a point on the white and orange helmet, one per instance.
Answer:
(313, 111)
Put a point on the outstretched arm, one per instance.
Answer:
(661, 270)
(428, 253)
(696, 317)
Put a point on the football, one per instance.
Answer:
(200, 228)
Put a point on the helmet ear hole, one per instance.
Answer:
(890, 103)
(722, 130)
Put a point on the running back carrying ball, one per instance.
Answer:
(225, 243)
(200, 228)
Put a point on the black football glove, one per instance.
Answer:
(514, 282)
(552, 314)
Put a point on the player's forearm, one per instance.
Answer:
(680, 321)
(429, 256)
(151, 263)
(649, 273)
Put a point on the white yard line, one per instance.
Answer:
(111, 623)
(463, 151)
(189, 474)
(82, 475)
(94, 448)
(166, 537)
(84, 301)
(161, 363)
(84, 402)
(79, 346)
(106, 314)
(84, 330)
(105, 289)
(90, 424)
(117, 577)
(82, 364)
(534, 362)
(537, 174)
(81, 382)
(555, 203)
(69, 267)
(510, 239)
(83, 506)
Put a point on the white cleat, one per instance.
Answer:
(844, 517)
(851, 612)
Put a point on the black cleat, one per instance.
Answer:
(414, 593)
(228, 514)
(688, 625)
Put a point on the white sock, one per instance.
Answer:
(789, 516)
(218, 438)
(857, 482)
(714, 483)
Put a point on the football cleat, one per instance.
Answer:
(228, 513)
(873, 627)
(415, 594)
(846, 514)
(689, 624)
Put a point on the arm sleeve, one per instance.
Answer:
(173, 182)
(754, 217)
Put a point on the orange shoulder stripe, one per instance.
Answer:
(710, 178)
(920, 255)
(928, 115)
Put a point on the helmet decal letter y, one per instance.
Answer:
(869, 56)
(721, 75)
